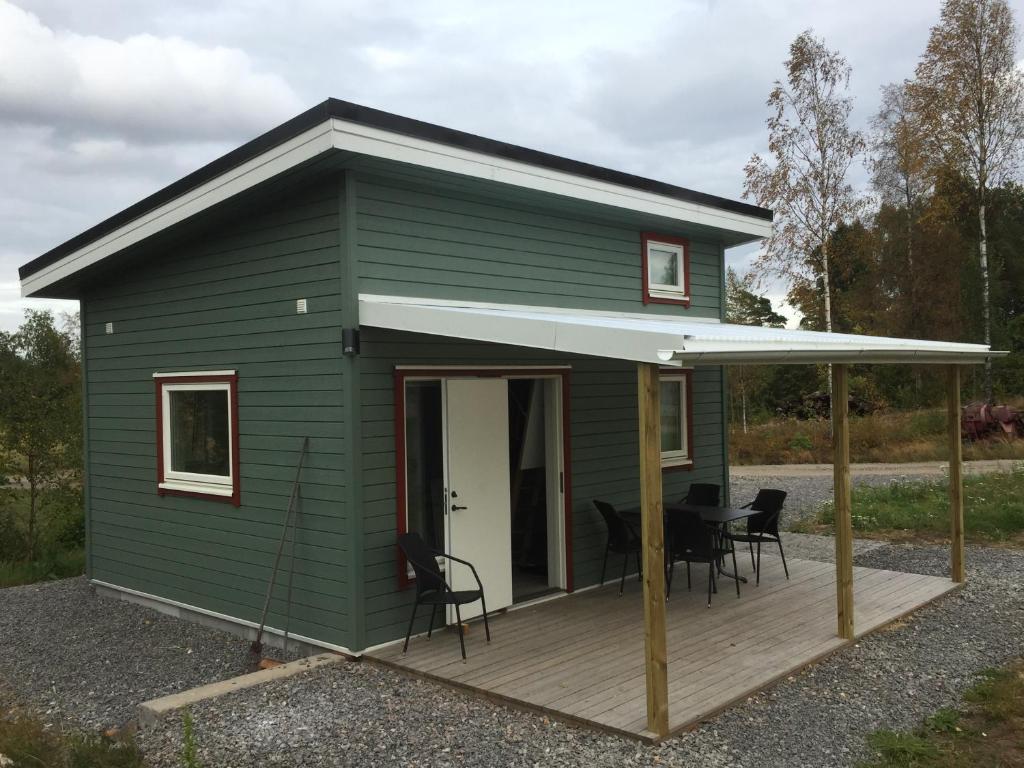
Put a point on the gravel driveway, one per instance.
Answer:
(361, 715)
(55, 650)
(804, 494)
(88, 660)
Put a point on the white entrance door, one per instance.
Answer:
(478, 500)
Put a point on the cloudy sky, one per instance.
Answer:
(103, 102)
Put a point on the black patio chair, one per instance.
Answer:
(622, 540)
(703, 494)
(692, 540)
(433, 590)
(763, 527)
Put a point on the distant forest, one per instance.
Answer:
(933, 250)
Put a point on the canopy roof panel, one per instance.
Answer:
(671, 341)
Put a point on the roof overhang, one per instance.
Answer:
(340, 126)
(664, 340)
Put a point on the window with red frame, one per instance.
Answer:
(197, 434)
(666, 269)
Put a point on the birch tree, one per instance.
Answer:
(899, 162)
(812, 147)
(968, 91)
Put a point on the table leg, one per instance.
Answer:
(720, 565)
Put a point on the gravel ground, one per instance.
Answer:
(804, 494)
(54, 649)
(362, 715)
(73, 656)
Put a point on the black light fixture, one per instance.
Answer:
(350, 341)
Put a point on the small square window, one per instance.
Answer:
(676, 410)
(666, 269)
(197, 441)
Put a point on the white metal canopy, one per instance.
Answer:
(665, 340)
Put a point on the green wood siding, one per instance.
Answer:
(417, 241)
(226, 300)
(605, 451)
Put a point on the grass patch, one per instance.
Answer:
(57, 565)
(988, 732)
(26, 742)
(993, 509)
(891, 437)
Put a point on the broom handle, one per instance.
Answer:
(280, 545)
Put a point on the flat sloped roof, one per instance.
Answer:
(363, 129)
(661, 339)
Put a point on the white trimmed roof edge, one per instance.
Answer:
(334, 133)
(662, 339)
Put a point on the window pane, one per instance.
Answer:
(663, 266)
(424, 467)
(199, 432)
(671, 416)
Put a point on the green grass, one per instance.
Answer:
(59, 565)
(889, 437)
(28, 743)
(993, 509)
(988, 732)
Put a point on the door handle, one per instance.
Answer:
(456, 507)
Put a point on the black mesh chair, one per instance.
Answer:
(692, 540)
(703, 494)
(433, 590)
(622, 540)
(763, 527)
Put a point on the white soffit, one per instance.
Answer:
(670, 341)
(335, 133)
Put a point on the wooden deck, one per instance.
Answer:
(581, 657)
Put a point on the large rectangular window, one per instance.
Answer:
(676, 419)
(197, 440)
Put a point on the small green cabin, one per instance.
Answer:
(453, 322)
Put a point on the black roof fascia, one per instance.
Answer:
(375, 118)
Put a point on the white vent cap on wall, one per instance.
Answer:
(109, 327)
(300, 307)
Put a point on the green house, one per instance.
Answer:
(453, 322)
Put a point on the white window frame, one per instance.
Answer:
(679, 291)
(684, 457)
(194, 482)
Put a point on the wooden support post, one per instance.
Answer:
(653, 534)
(956, 484)
(841, 486)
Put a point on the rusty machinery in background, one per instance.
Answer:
(981, 421)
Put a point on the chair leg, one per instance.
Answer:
(689, 581)
(639, 570)
(751, 545)
(604, 565)
(483, 605)
(758, 563)
(784, 566)
(622, 583)
(711, 581)
(735, 571)
(408, 632)
(458, 627)
(433, 612)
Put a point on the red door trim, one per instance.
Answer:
(401, 374)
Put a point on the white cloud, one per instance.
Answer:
(13, 306)
(146, 87)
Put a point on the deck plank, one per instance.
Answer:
(581, 657)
